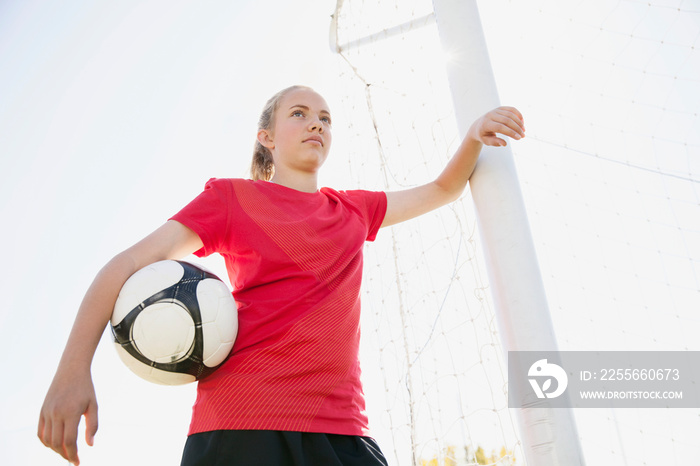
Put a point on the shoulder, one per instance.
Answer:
(354, 195)
(368, 203)
(228, 186)
(225, 182)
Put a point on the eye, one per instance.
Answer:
(326, 119)
(297, 113)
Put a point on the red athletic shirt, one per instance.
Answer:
(295, 264)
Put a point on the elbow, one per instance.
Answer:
(455, 194)
(123, 265)
(449, 194)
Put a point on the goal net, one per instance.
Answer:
(609, 171)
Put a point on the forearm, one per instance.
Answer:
(71, 394)
(94, 314)
(449, 185)
(507, 121)
(454, 177)
(172, 240)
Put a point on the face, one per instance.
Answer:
(301, 135)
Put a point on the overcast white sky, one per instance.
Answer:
(114, 114)
(112, 117)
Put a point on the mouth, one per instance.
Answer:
(316, 140)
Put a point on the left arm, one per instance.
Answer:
(449, 185)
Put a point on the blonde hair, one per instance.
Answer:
(263, 166)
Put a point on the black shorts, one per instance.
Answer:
(275, 448)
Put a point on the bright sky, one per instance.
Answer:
(114, 114)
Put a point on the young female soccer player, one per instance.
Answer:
(290, 393)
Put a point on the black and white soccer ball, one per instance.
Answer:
(174, 323)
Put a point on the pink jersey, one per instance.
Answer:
(295, 263)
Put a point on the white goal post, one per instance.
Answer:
(549, 436)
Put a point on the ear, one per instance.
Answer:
(265, 138)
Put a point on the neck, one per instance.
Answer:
(301, 182)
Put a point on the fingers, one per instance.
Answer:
(60, 437)
(511, 121)
(56, 442)
(494, 141)
(70, 444)
(507, 121)
(514, 111)
(69, 398)
(40, 430)
(91, 423)
(64, 441)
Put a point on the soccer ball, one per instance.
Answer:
(174, 323)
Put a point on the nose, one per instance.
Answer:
(316, 124)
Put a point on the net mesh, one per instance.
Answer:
(610, 170)
(435, 378)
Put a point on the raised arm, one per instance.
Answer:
(449, 185)
(71, 394)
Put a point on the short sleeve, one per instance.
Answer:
(372, 206)
(208, 215)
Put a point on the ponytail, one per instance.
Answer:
(263, 166)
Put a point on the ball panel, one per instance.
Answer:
(144, 283)
(150, 373)
(175, 324)
(227, 319)
(219, 321)
(164, 332)
(209, 292)
(215, 350)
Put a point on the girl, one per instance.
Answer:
(290, 391)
